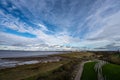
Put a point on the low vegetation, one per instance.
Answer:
(61, 73)
(111, 71)
(78, 55)
(89, 72)
(115, 58)
(26, 71)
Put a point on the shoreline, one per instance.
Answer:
(17, 61)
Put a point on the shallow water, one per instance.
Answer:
(6, 63)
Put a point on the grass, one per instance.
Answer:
(61, 70)
(76, 55)
(115, 58)
(26, 71)
(89, 72)
(111, 71)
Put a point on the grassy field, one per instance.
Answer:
(89, 72)
(61, 70)
(62, 73)
(76, 55)
(30, 71)
(111, 71)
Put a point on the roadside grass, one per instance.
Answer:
(89, 72)
(111, 71)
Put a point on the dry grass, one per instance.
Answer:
(76, 54)
(25, 71)
(115, 59)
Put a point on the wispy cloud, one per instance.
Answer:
(42, 24)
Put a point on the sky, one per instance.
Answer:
(59, 25)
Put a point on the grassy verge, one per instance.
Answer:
(111, 71)
(89, 72)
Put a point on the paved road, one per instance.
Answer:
(79, 74)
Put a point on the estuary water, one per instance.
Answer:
(10, 54)
(6, 63)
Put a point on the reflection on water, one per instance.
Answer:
(8, 63)
(28, 62)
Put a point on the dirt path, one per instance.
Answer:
(79, 74)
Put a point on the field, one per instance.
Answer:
(78, 55)
(25, 71)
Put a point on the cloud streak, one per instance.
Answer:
(59, 24)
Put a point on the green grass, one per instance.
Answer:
(89, 72)
(111, 71)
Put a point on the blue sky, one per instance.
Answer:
(59, 24)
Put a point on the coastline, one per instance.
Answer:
(17, 61)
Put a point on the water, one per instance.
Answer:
(6, 63)
(9, 63)
(9, 54)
